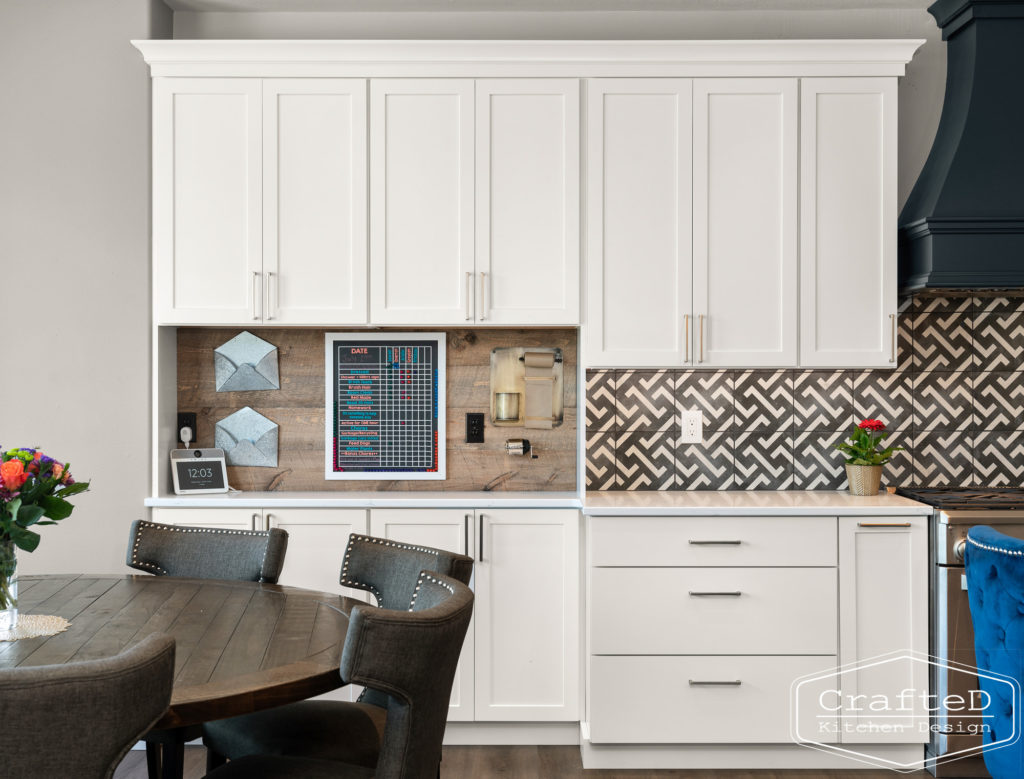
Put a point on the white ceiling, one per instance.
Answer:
(390, 6)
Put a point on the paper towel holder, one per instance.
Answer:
(526, 386)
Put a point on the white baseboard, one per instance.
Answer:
(734, 756)
(511, 733)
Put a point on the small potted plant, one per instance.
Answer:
(864, 458)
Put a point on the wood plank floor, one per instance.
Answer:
(530, 762)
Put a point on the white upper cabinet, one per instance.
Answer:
(314, 201)
(528, 201)
(848, 222)
(259, 201)
(744, 222)
(421, 190)
(474, 201)
(639, 269)
(207, 251)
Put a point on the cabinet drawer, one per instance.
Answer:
(660, 611)
(768, 541)
(651, 700)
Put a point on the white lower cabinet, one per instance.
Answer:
(520, 662)
(700, 625)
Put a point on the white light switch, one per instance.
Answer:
(691, 425)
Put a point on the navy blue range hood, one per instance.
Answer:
(963, 224)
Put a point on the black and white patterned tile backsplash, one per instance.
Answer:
(955, 403)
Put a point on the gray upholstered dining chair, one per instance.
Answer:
(207, 552)
(411, 656)
(390, 571)
(80, 719)
(199, 553)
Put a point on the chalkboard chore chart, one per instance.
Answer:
(385, 411)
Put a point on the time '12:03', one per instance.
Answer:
(200, 473)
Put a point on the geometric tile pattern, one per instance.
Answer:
(708, 465)
(645, 460)
(822, 400)
(955, 402)
(645, 400)
(709, 391)
(942, 401)
(999, 458)
(764, 461)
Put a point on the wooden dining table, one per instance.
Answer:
(239, 646)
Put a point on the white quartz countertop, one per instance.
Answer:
(677, 503)
(748, 503)
(472, 500)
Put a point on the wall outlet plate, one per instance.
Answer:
(474, 428)
(691, 426)
(187, 419)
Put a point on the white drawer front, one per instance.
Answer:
(650, 700)
(715, 541)
(664, 611)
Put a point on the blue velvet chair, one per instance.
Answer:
(995, 588)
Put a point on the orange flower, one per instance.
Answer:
(13, 474)
(58, 469)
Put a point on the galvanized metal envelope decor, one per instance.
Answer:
(246, 362)
(247, 438)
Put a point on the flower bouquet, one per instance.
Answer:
(864, 458)
(34, 490)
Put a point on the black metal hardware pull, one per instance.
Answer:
(713, 683)
(735, 594)
(714, 543)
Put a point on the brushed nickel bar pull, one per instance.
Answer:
(273, 293)
(694, 594)
(892, 322)
(701, 339)
(883, 524)
(686, 337)
(714, 543)
(469, 294)
(255, 296)
(714, 683)
(465, 541)
(481, 538)
(256, 521)
(483, 298)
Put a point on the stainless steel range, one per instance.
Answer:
(951, 634)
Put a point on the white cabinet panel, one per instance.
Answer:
(638, 222)
(527, 201)
(206, 200)
(314, 179)
(448, 529)
(421, 190)
(848, 222)
(704, 611)
(883, 606)
(316, 546)
(668, 700)
(744, 221)
(527, 616)
(234, 519)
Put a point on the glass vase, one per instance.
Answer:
(8, 585)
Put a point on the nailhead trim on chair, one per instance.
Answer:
(184, 529)
(357, 538)
(426, 576)
(988, 548)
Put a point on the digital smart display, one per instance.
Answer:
(198, 470)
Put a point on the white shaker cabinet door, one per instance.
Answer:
(848, 216)
(421, 201)
(527, 201)
(883, 610)
(452, 530)
(744, 222)
(232, 519)
(314, 205)
(207, 263)
(638, 176)
(527, 615)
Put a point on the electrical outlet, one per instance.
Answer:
(691, 426)
(187, 419)
(474, 428)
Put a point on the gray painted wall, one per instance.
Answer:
(74, 259)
